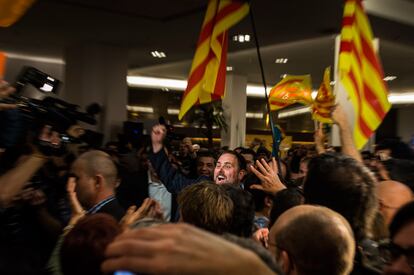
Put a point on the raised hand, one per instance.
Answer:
(77, 211)
(339, 116)
(158, 134)
(261, 236)
(179, 249)
(268, 175)
(149, 208)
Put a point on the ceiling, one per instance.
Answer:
(302, 31)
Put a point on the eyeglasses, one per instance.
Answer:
(390, 252)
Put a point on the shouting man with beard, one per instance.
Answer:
(230, 167)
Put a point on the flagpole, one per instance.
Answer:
(275, 146)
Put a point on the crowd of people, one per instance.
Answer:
(160, 209)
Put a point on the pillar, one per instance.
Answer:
(234, 106)
(97, 73)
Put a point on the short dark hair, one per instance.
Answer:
(263, 151)
(284, 200)
(403, 217)
(206, 205)
(399, 149)
(83, 249)
(243, 212)
(206, 154)
(241, 162)
(345, 185)
(258, 195)
(248, 151)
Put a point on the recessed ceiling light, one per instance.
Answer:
(173, 111)
(229, 68)
(390, 78)
(241, 38)
(281, 60)
(158, 54)
(254, 115)
(141, 109)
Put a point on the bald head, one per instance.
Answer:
(313, 240)
(98, 163)
(392, 195)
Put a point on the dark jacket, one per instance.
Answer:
(114, 209)
(173, 180)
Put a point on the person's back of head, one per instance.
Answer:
(399, 253)
(206, 205)
(392, 195)
(243, 213)
(283, 201)
(83, 249)
(259, 196)
(257, 249)
(402, 218)
(344, 185)
(397, 148)
(311, 240)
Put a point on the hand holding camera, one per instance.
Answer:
(5, 91)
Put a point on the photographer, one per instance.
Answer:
(36, 137)
(5, 91)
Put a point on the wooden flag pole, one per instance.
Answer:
(275, 144)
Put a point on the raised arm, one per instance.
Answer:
(13, 181)
(179, 249)
(319, 138)
(345, 133)
(173, 180)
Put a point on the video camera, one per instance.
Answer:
(32, 114)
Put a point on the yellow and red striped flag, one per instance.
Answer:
(361, 74)
(291, 89)
(208, 71)
(324, 100)
(12, 10)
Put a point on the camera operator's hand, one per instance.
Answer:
(34, 197)
(158, 134)
(75, 131)
(5, 91)
(49, 142)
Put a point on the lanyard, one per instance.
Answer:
(98, 206)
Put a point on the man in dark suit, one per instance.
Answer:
(96, 180)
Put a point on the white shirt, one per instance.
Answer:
(158, 192)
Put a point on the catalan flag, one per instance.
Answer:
(12, 10)
(291, 89)
(361, 74)
(208, 71)
(324, 100)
